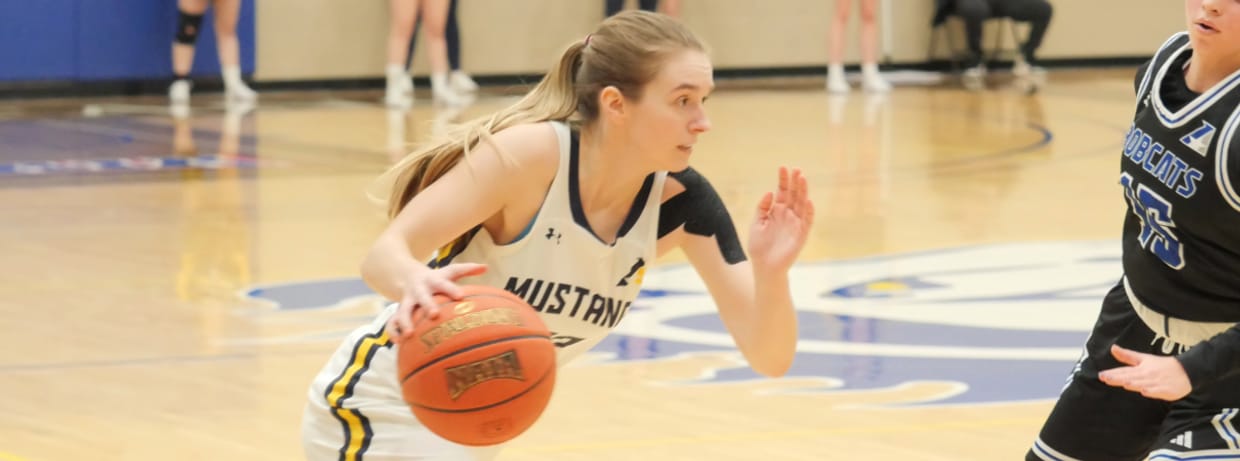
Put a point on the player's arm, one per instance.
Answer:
(1214, 359)
(474, 191)
(754, 300)
(1219, 356)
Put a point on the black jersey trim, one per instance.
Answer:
(574, 195)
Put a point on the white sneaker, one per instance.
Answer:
(837, 85)
(874, 83)
(179, 111)
(1023, 69)
(399, 93)
(178, 92)
(1028, 78)
(239, 93)
(406, 84)
(461, 82)
(836, 81)
(442, 92)
(974, 78)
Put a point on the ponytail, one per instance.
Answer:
(554, 98)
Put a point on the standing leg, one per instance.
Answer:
(226, 14)
(836, 82)
(974, 13)
(871, 80)
(402, 14)
(1203, 423)
(1038, 14)
(413, 42)
(452, 35)
(1096, 422)
(649, 5)
(435, 14)
(458, 79)
(189, 23)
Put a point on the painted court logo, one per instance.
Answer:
(999, 323)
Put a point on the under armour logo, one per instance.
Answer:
(552, 234)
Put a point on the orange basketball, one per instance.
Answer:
(482, 372)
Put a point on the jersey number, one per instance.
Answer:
(1156, 224)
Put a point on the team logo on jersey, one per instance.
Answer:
(1199, 139)
(1000, 323)
(635, 275)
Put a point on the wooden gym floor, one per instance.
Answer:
(171, 284)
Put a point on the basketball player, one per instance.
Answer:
(1159, 377)
(189, 22)
(576, 188)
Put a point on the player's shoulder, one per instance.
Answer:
(688, 180)
(529, 141)
(527, 148)
(1150, 67)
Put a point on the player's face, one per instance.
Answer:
(1214, 25)
(670, 115)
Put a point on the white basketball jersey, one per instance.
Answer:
(581, 285)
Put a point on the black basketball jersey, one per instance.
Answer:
(1181, 176)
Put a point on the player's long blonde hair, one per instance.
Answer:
(625, 51)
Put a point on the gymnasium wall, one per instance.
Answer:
(92, 40)
(312, 39)
(87, 40)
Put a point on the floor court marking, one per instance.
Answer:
(772, 435)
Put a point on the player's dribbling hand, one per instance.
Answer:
(420, 289)
(1153, 376)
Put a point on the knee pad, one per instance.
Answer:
(187, 28)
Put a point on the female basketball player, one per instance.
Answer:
(1159, 377)
(871, 80)
(569, 186)
(189, 23)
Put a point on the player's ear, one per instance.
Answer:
(612, 102)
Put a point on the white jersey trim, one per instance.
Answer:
(1221, 155)
(1176, 119)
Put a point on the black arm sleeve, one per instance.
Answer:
(1212, 360)
(700, 210)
